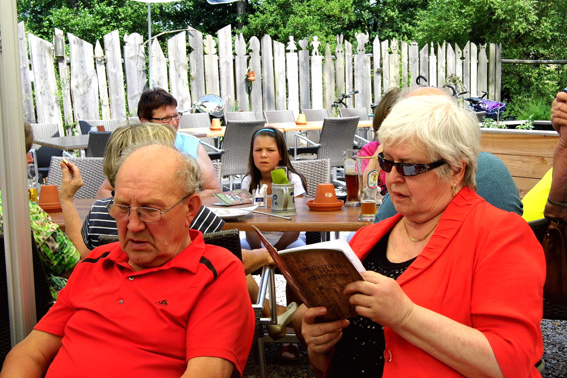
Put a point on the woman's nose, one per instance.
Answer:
(29, 158)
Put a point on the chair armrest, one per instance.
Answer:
(215, 149)
(357, 137)
(267, 282)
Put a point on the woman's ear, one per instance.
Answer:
(458, 173)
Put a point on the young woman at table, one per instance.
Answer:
(57, 253)
(267, 151)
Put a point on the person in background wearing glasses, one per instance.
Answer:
(454, 285)
(159, 107)
(158, 303)
(494, 181)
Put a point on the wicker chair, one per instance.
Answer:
(312, 115)
(315, 172)
(43, 154)
(43, 298)
(239, 116)
(86, 124)
(282, 116)
(363, 134)
(354, 112)
(236, 146)
(91, 172)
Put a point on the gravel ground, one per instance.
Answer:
(554, 339)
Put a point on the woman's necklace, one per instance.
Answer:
(424, 236)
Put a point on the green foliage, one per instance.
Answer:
(526, 108)
(528, 125)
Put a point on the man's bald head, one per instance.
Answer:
(427, 91)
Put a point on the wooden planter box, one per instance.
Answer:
(528, 154)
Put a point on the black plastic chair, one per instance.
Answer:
(97, 143)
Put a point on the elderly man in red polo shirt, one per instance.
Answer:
(159, 303)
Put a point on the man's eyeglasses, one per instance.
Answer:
(146, 214)
(168, 118)
(408, 169)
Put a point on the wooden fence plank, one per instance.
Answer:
(241, 74)
(413, 64)
(256, 66)
(226, 66)
(340, 78)
(211, 67)
(404, 59)
(279, 76)
(64, 80)
(115, 75)
(362, 74)
(349, 87)
(474, 69)
(423, 63)
(196, 63)
(459, 64)
(329, 79)
(159, 67)
(268, 90)
(316, 75)
(101, 79)
(394, 60)
(482, 78)
(432, 66)
(304, 79)
(84, 88)
(29, 112)
(441, 62)
(178, 68)
(384, 50)
(467, 67)
(292, 70)
(44, 83)
(451, 62)
(134, 67)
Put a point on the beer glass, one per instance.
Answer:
(371, 198)
(353, 178)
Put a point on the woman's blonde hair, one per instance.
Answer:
(439, 125)
(133, 134)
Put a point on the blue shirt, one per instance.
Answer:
(187, 144)
(494, 183)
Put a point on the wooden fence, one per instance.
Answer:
(106, 83)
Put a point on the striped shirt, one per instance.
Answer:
(99, 222)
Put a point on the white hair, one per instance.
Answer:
(443, 128)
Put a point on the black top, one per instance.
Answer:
(360, 352)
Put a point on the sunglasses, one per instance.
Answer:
(408, 169)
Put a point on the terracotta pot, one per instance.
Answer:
(49, 198)
(325, 194)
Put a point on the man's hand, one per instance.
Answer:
(71, 182)
(559, 113)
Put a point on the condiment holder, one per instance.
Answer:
(215, 124)
(301, 120)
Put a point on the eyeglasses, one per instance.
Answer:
(146, 214)
(169, 118)
(408, 169)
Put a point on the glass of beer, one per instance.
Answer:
(353, 178)
(370, 198)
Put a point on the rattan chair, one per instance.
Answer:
(86, 124)
(218, 169)
(43, 154)
(312, 115)
(43, 298)
(239, 116)
(236, 146)
(363, 135)
(315, 172)
(91, 172)
(354, 112)
(282, 116)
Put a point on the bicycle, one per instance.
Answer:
(341, 100)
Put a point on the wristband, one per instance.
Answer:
(558, 204)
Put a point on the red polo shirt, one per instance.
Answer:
(115, 322)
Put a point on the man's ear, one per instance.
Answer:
(194, 204)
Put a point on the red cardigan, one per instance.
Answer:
(482, 267)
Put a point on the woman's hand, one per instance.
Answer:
(320, 337)
(71, 182)
(380, 299)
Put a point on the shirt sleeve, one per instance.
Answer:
(56, 251)
(297, 185)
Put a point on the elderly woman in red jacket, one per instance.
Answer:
(453, 285)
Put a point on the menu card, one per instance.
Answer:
(234, 197)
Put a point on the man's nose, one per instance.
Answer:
(174, 122)
(135, 224)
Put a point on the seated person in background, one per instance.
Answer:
(159, 303)
(158, 106)
(494, 181)
(57, 253)
(267, 151)
(454, 285)
(373, 148)
(556, 206)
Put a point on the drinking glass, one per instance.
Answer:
(33, 182)
(353, 178)
(371, 198)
